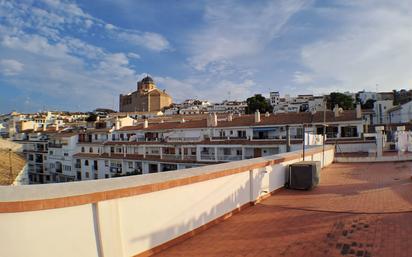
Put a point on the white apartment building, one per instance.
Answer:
(59, 163)
(381, 108)
(401, 113)
(274, 98)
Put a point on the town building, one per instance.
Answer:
(401, 113)
(147, 98)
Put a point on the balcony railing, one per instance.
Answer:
(207, 157)
(53, 145)
(178, 157)
(116, 169)
(183, 139)
(229, 157)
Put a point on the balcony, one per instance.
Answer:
(115, 169)
(152, 210)
(55, 145)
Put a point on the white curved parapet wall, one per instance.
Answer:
(136, 215)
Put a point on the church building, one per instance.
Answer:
(147, 98)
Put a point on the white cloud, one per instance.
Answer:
(206, 88)
(152, 41)
(10, 67)
(372, 46)
(133, 55)
(302, 78)
(234, 30)
(109, 26)
(88, 23)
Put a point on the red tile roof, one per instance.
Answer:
(249, 120)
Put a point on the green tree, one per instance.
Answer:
(258, 102)
(92, 117)
(344, 101)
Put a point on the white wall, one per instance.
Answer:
(56, 232)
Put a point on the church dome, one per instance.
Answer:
(147, 80)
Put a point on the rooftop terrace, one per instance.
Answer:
(357, 210)
(361, 209)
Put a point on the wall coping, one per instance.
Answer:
(59, 195)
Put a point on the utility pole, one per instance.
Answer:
(324, 132)
(303, 141)
(287, 138)
(11, 168)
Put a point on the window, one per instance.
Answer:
(66, 154)
(95, 136)
(119, 150)
(87, 174)
(51, 152)
(86, 163)
(106, 163)
(112, 149)
(91, 150)
(82, 149)
(30, 157)
(130, 165)
(226, 151)
(106, 175)
(349, 131)
(96, 176)
(79, 175)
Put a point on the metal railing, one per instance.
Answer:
(229, 157)
(207, 157)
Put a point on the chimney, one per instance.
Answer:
(117, 124)
(145, 123)
(230, 117)
(214, 120)
(267, 114)
(358, 111)
(336, 110)
(257, 116)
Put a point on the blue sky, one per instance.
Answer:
(80, 55)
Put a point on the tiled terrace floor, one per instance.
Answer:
(357, 210)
